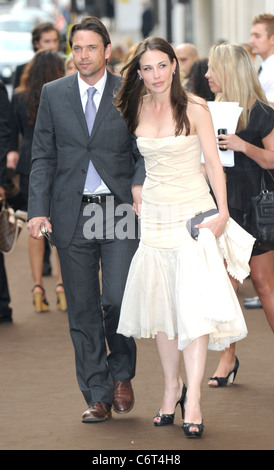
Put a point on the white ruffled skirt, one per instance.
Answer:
(185, 290)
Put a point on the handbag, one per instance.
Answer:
(197, 220)
(11, 224)
(259, 219)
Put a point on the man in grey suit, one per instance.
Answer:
(87, 225)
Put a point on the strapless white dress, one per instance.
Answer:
(176, 284)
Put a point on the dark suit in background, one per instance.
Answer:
(61, 152)
(147, 20)
(5, 310)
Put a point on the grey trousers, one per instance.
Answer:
(101, 354)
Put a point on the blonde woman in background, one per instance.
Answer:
(69, 65)
(232, 77)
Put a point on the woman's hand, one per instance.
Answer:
(231, 142)
(12, 159)
(216, 225)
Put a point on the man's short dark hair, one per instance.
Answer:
(91, 23)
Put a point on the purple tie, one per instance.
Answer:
(93, 179)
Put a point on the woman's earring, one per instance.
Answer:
(173, 73)
(140, 78)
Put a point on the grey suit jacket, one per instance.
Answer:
(62, 149)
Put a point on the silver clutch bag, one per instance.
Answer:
(198, 219)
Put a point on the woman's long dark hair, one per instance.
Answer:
(132, 90)
(45, 67)
(197, 83)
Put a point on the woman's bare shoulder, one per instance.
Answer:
(194, 100)
(198, 111)
(196, 105)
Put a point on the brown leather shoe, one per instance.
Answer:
(123, 397)
(98, 411)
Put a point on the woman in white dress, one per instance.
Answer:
(177, 286)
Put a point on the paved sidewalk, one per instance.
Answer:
(41, 405)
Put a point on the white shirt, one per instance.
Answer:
(266, 78)
(100, 86)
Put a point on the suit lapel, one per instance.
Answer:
(74, 98)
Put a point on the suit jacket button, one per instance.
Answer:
(83, 170)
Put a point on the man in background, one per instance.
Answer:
(262, 43)
(187, 55)
(44, 36)
(147, 20)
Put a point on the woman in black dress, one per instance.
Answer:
(44, 67)
(232, 77)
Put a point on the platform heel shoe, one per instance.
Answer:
(222, 381)
(190, 433)
(61, 299)
(39, 300)
(187, 426)
(167, 419)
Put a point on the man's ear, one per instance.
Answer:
(108, 51)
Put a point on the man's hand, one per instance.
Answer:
(35, 224)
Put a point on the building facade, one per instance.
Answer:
(201, 22)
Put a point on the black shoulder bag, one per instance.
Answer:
(259, 220)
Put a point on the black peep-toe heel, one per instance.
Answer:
(187, 426)
(165, 419)
(222, 381)
(168, 419)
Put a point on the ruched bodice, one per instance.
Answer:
(173, 167)
(175, 284)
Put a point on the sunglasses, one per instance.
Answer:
(44, 231)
